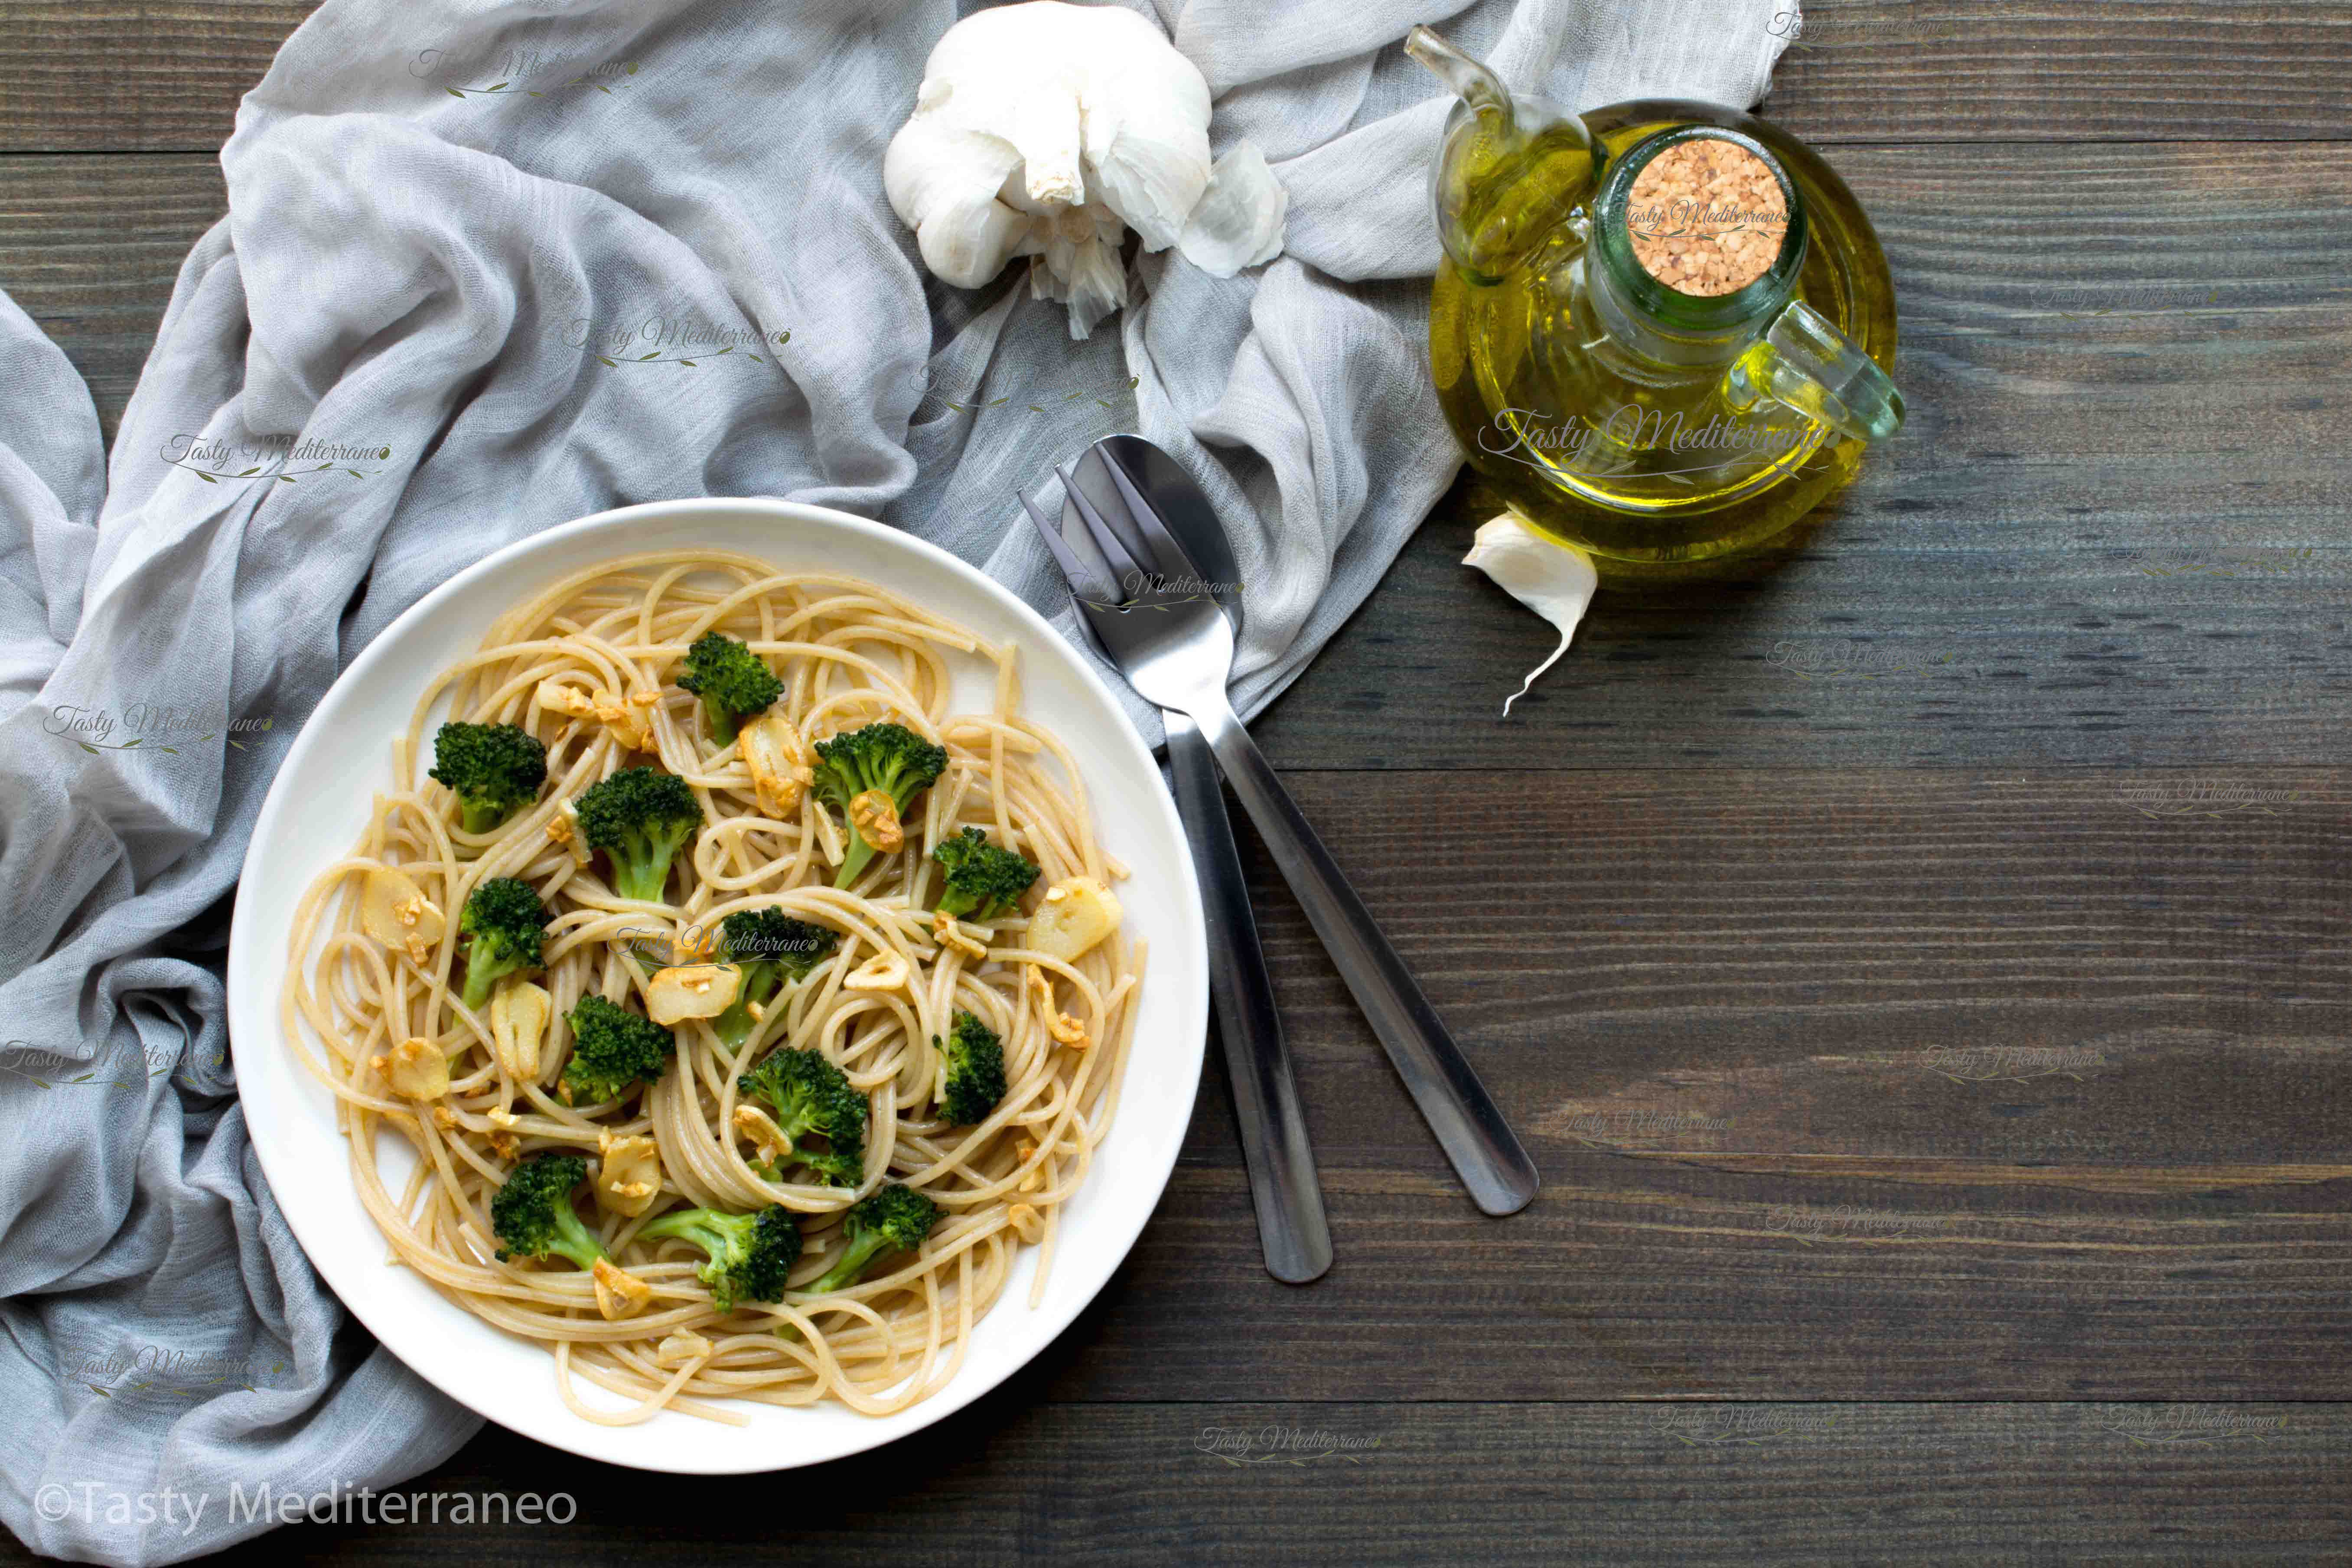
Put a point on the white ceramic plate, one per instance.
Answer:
(319, 805)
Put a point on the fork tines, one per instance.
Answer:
(1132, 580)
(1073, 572)
(1125, 569)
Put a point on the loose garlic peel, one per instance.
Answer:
(1042, 129)
(1239, 220)
(1556, 580)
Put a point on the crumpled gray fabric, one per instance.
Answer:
(487, 267)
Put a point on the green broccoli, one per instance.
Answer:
(982, 881)
(895, 1219)
(750, 1254)
(975, 1057)
(494, 770)
(641, 817)
(885, 758)
(733, 682)
(612, 1049)
(532, 1215)
(772, 947)
(506, 922)
(809, 1095)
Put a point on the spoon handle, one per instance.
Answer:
(1291, 1225)
(1469, 1126)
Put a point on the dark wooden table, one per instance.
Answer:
(1921, 969)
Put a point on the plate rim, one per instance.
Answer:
(550, 1422)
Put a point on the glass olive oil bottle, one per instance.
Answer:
(1657, 425)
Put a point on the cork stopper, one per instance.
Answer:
(1706, 217)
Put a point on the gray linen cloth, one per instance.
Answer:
(489, 267)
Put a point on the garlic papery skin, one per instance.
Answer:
(1556, 580)
(1238, 220)
(1043, 129)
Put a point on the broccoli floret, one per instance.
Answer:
(808, 1095)
(494, 769)
(532, 1215)
(641, 817)
(888, 759)
(612, 1049)
(750, 1254)
(506, 922)
(732, 682)
(975, 1070)
(982, 881)
(895, 1219)
(772, 947)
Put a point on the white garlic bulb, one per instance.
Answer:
(1043, 130)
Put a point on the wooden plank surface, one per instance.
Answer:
(129, 76)
(90, 247)
(108, 76)
(2065, 70)
(1014, 1479)
(1843, 1085)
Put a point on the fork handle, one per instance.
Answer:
(1291, 1227)
(1485, 1152)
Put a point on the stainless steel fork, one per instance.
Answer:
(1176, 647)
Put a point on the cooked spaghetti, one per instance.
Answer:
(434, 907)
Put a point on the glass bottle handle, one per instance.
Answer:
(1808, 364)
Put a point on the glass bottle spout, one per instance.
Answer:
(1512, 170)
(1466, 79)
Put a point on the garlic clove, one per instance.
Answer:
(691, 991)
(776, 756)
(518, 1014)
(943, 182)
(883, 972)
(1239, 220)
(418, 1068)
(619, 1293)
(1146, 128)
(630, 1177)
(1556, 580)
(1074, 916)
(1154, 183)
(394, 911)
